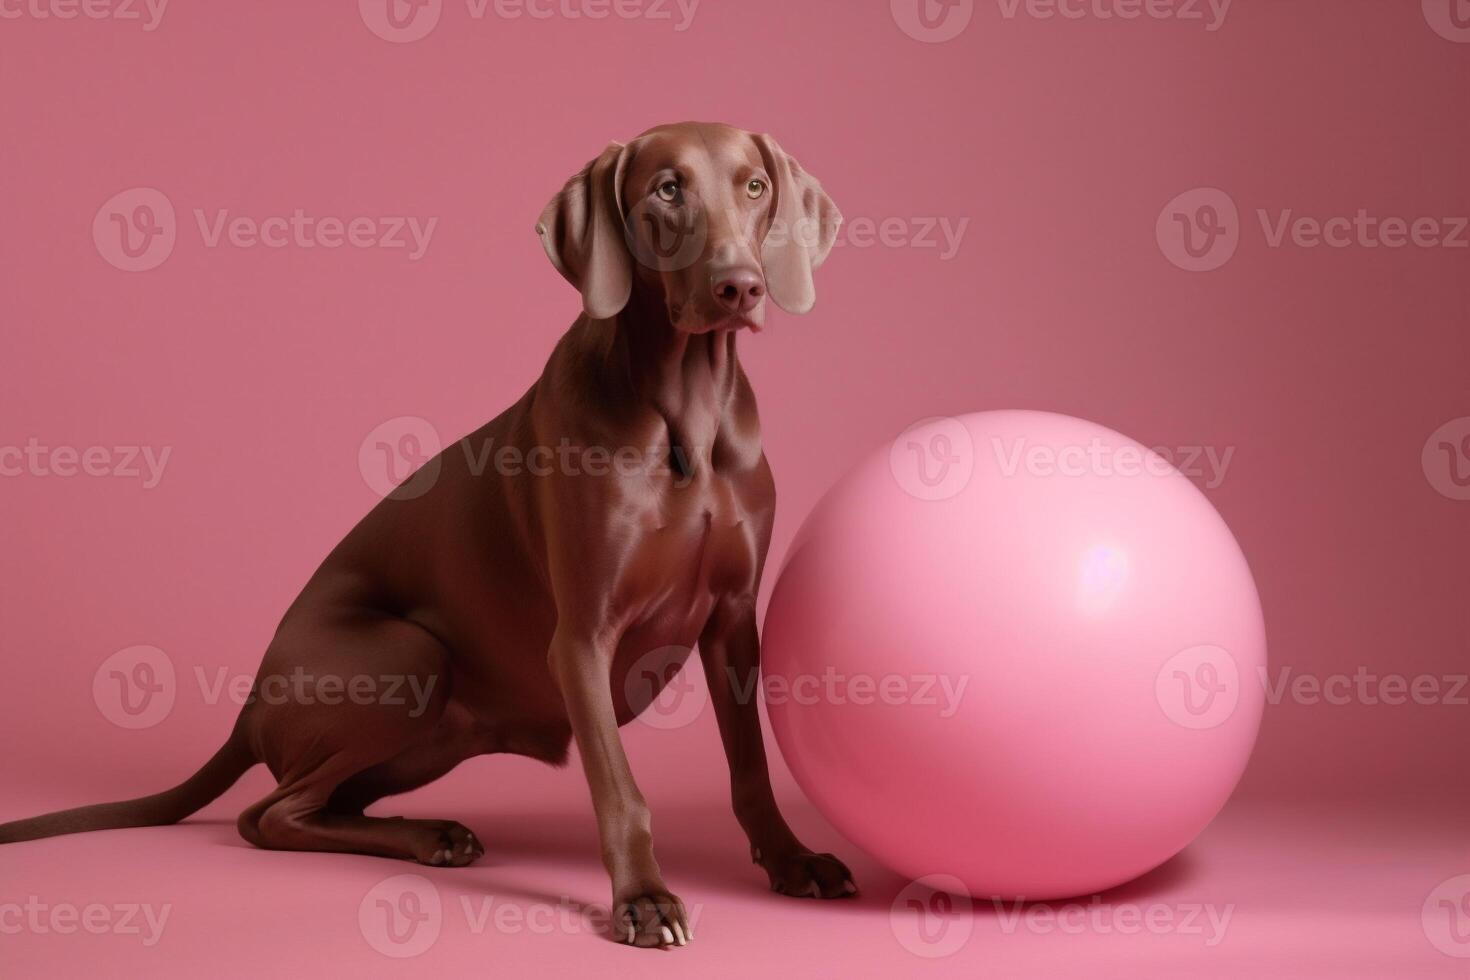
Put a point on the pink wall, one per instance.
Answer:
(1052, 144)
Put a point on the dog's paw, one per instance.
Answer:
(805, 874)
(650, 917)
(446, 844)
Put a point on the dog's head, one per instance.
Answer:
(709, 217)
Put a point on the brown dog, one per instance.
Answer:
(521, 597)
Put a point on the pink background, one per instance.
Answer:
(1324, 369)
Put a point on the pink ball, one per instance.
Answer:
(1018, 649)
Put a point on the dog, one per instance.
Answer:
(525, 601)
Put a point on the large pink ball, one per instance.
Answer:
(1018, 649)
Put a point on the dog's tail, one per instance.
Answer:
(170, 806)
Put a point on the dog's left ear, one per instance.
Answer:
(582, 232)
(803, 227)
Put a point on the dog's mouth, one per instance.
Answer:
(690, 321)
(738, 321)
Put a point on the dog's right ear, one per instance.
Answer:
(582, 232)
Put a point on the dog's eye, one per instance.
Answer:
(667, 191)
(755, 188)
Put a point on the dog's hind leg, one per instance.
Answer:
(295, 818)
(315, 738)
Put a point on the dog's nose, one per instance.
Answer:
(739, 290)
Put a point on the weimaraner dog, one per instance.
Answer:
(522, 601)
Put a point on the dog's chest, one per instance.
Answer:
(698, 544)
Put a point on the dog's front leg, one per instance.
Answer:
(644, 911)
(729, 649)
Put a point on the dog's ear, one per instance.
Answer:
(582, 232)
(804, 224)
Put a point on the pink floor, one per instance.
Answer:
(1268, 890)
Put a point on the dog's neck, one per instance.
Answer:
(687, 378)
